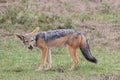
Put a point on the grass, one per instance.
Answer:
(18, 16)
(17, 62)
(106, 17)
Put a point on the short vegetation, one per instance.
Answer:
(99, 20)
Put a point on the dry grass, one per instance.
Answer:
(99, 20)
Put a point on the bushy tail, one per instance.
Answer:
(84, 47)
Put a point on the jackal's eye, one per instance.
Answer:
(26, 41)
(31, 40)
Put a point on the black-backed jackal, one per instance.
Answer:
(57, 38)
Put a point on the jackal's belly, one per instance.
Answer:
(60, 42)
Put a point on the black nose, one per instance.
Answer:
(30, 47)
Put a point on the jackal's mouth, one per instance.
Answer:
(30, 47)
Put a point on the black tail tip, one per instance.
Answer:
(94, 60)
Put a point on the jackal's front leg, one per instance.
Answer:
(49, 60)
(43, 59)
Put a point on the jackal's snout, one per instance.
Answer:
(30, 47)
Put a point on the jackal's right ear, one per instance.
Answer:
(35, 30)
(21, 37)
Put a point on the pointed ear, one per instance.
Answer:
(35, 30)
(21, 37)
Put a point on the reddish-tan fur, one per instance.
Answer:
(71, 41)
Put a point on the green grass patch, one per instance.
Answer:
(113, 16)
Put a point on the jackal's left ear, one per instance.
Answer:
(35, 30)
(21, 37)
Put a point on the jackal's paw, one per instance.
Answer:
(71, 69)
(48, 68)
(39, 69)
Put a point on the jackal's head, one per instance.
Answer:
(29, 39)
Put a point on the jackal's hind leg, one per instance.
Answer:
(72, 52)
